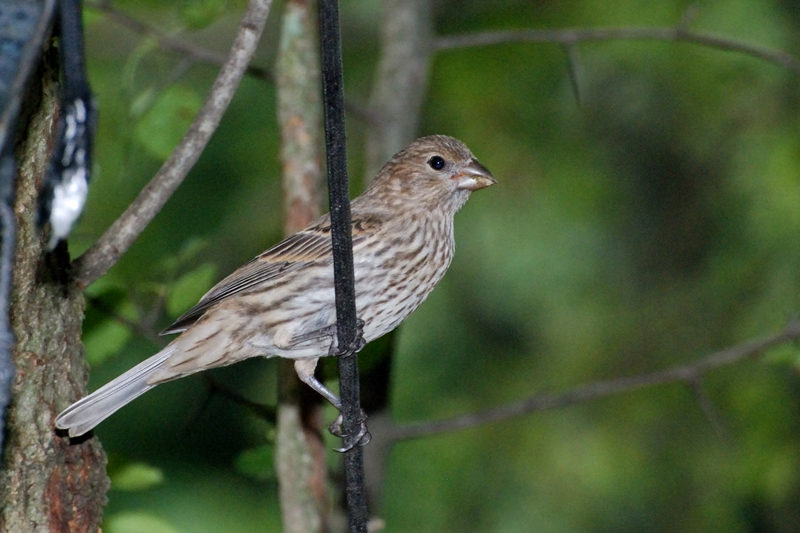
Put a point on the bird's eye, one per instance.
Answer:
(436, 162)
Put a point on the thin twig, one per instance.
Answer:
(543, 402)
(265, 412)
(204, 55)
(119, 237)
(581, 35)
(707, 407)
(168, 43)
(139, 327)
(573, 67)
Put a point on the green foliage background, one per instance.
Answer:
(653, 222)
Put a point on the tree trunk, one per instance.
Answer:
(47, 484)
(300, 452)
(398, 93)
(400, 81)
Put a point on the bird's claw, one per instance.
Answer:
(358, 343)
(361, 438)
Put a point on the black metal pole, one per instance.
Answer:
(344, 280)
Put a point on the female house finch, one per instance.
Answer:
(282, 302)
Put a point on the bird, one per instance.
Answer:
(281, 303)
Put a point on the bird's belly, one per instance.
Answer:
(304, 325)
(386, 298)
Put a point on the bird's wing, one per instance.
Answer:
(311, 245)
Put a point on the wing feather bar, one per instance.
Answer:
(290, 254)
(306, 247)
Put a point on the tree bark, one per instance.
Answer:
(395, 104)
(47, 484)
(401, 79)
(300, 450)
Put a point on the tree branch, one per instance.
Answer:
(707, 407)
(689, 373)
(195, 52)
(168, 43)
(139, 327)
(401, 80)
(398, 92)
(119, 237)
(262, 411)
(573, 36)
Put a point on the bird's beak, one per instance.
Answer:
(474, 176)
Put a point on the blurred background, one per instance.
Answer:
(647, 222)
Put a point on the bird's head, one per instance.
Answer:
(434, 172)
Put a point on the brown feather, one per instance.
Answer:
(282, 302)
(311, 245)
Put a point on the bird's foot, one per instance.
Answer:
(358, 343)
(361, 438)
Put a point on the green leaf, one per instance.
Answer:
(136, 476)
(257, 463)
(133, 522)
(105, 339)
(190, 288)
(163, 126)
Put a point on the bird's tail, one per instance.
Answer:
(87, 412)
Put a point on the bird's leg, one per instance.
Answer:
(363, 436)
(305, 371)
